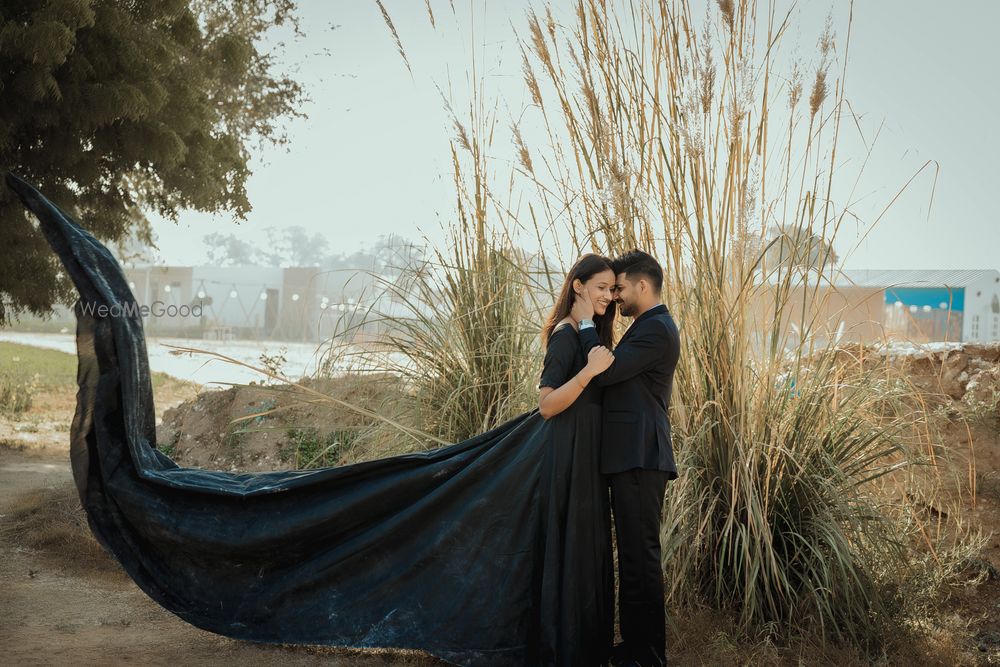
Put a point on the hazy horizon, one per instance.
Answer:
(917, 69)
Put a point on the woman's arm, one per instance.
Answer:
(644, 349)
(553, 401)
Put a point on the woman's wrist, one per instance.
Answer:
(583, 378)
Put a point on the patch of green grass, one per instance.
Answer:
(53, 369)
(235, 438)
(237, 433)
(16, 395)
(170, 448)
(22, 363)
(308, 449)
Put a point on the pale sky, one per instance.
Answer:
(373, 156)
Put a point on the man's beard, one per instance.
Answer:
(625, 309)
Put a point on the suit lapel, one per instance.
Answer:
(628, 331)
(655, 310)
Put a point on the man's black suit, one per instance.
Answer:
(636, 432)
(637, 455)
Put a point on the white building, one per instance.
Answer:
(252, 302)
(942, 304)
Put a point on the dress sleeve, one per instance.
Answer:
(559, 355)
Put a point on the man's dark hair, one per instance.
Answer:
(638, 263)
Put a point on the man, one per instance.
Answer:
(636, 451)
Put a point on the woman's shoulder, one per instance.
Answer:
(565, 324)
(562, 332)
(563, 337)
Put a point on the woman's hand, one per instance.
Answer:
(553, 401)
(583, 307)
(598, 360)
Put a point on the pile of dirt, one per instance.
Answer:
(959, 390)
(260, 427)
(968, 373)
(275, 427)
(951, 370)
(956, 378)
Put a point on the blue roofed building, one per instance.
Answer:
(934, 304)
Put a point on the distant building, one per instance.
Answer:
(937, 304)
(868, 305)
(293, 304)
(234, 301)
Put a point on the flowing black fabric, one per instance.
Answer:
(580, 600)
(491, 551)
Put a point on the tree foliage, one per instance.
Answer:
(289, 246)
(295, 246)
(116, 108)
(798, 247)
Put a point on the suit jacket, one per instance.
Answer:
(636, 427)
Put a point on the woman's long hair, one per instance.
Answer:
(584, 269)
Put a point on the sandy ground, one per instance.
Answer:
(54, 611)
(65, 602)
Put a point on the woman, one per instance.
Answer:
(577, 517)
(491, 551)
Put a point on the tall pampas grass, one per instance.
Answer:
(687, 135)
(678, 134)
(464, 330)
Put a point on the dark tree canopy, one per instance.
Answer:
(119, 107)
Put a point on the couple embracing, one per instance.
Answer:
(607, 415)
(491, 551)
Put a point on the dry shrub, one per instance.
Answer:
(52, 522)
(684, 136)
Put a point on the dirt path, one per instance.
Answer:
(55, 611)
(64, 601)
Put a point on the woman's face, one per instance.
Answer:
(600, 287)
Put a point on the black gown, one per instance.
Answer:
(578, 536)
(491, 551)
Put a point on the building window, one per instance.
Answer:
(975, 327)
(996, 328)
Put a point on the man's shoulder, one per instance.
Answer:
(658, 330)
(659, 323)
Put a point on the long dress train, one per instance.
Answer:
(491, 551)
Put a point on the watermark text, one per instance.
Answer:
(133, 309)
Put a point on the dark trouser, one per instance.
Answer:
(637, 502)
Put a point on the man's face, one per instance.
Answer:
(626, 294)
